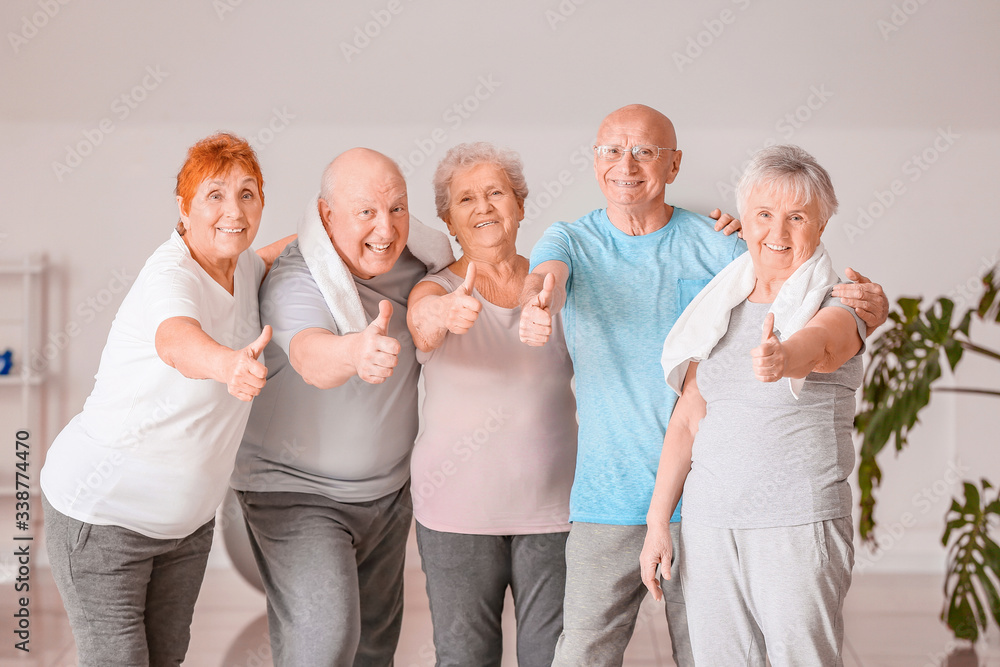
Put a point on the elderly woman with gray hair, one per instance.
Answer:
(766, 361)
(492, 469)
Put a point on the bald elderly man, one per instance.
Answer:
(622, 275)
(322, 474)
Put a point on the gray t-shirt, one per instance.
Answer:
(761, 458)
(351, 443)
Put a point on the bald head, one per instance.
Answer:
(634, 188)
(645, 119)
(364, 209)
(362, 163)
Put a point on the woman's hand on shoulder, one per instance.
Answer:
(866, 298)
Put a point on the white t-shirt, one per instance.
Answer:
(152, 450)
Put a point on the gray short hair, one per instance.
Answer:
(468, 155)
(790, 171)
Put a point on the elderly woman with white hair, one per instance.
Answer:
(766, 361)
(492, 468)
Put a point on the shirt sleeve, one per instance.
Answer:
(170, 290)
(438, 279)
(290, 301)
(739, 247)
(554, 245)
(835, 302)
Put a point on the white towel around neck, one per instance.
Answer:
(706, 319)
(335, 280)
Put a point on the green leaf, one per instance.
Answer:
(973, 562)
(989, 295)
(990, 589)
(971, 498)
(961, 620)
(910, 307)
(953, 350)
(993, 507)
(954, 524)
(906, 362)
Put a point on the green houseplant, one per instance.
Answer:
(906, 363)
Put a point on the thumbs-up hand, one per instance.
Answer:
(460, 309)
(769, 356)
(375, 353)
(536, 315)
(246, 375)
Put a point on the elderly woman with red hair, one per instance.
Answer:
(132, 483)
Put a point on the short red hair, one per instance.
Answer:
(216, 156)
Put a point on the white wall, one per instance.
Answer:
(863, 85)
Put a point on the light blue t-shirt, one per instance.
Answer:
(623, 295)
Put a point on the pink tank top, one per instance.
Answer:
(497, 447)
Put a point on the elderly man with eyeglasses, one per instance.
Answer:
(622, 276)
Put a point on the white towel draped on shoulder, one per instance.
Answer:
(706, 319)
(336, 281)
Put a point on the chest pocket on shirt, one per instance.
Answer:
(687, 290)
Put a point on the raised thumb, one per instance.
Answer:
(381, 323)
(470, 279)
(545, 296)
(263, 339)
(768, 330)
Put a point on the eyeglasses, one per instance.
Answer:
(639, 153)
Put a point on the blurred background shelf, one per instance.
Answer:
(23, 285)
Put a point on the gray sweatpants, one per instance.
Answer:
(467, 579)
(333, 574)
(777, 592)
(603, 592)
(129, 598)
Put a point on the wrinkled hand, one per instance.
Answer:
(460, 308)
(657, 549)
(726, 223)
(865, 297)
(769, 356)
(376, 354)
(536, 315)
(246, 376)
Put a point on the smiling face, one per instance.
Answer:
(484, 211)
(627, 184)
(366, 216)
(223, 217)
(781, 231)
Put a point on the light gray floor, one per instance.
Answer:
(891, 621)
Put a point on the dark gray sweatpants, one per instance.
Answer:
(333, 574)
(129, 598)
(467, 579)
